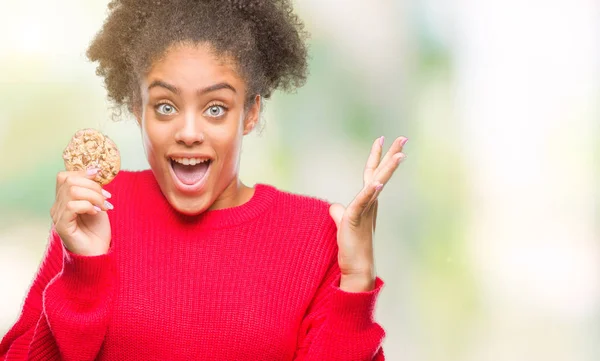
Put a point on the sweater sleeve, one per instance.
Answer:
(339, 325)
(66, 311)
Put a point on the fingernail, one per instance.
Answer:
(97, 208)
(106, 194)
(378, 187)
(381, 140)
(403, 142)
(108, 205)
(92, 171)
(400, 157)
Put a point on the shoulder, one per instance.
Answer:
(304, 210)
(297, 202)
(127, 177)
(126, 180)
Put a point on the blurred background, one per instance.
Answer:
(488, 234)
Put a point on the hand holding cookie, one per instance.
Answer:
(79, 211)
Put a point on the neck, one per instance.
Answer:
(235, 194)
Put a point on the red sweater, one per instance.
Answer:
(255, 282)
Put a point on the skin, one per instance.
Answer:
(79, 213)
(183, 122)
(356, 223)
(213, 123)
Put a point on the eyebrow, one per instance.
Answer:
(208, 89)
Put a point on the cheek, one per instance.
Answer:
(151, 135)
(147, 138)
(227, 141)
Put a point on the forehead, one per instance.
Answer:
(193, 66)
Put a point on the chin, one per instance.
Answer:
(188, 203)
(189, 207)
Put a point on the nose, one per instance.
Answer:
(189, 133)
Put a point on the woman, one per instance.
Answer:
(185, 262)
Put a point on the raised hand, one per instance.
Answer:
(356, 223)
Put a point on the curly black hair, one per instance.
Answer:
(265, 38)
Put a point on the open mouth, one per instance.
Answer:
(190, 171)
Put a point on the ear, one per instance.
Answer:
(252, 115)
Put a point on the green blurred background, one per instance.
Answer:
(488, 234)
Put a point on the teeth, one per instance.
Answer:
(189, 161)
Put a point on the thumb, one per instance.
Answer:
(336, 211)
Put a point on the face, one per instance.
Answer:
(192, 118)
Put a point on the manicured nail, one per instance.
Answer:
(378, 187)
(97, 208)
(403, 142)
(400, 157)
(108, 205)
(106, 194)
(92, 171)
(381, 140)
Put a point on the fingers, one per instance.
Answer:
(77, 193)
(71, 210)
(373, 160)
(88, 175)
(390, 161)
(362, 202)
(373, 201)
(375, 216)
(80, 179)
(396, 147)
(69, 199)
(385, 170)
(377, 173)
(74, 208)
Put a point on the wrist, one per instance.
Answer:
(357, 282)
(87, 251)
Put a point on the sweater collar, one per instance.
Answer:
(263, 197)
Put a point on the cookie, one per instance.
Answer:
(91, 149)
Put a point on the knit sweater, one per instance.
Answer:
(259, 281)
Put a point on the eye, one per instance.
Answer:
(215, 111)
(165, 108)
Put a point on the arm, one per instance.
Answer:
(339, 325)
(67, 308)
